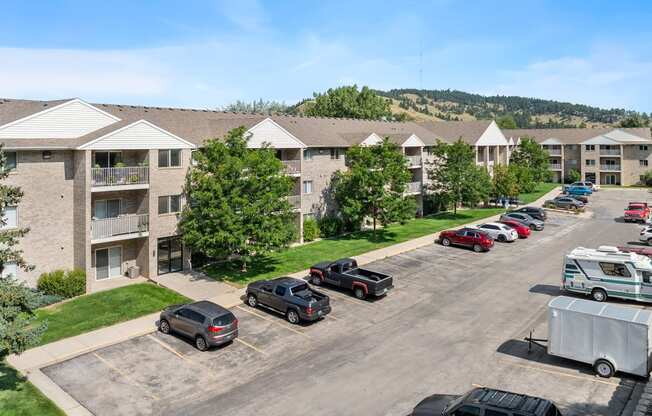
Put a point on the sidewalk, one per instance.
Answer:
(197, 286)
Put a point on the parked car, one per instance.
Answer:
(346, 274)
(594, 187)
(207, 323)
(534, 212)
(467, 237)
(565, 202)
(524, 219)
(578, 190)
(289, 296)
(523, 231)
(643, 251)
(487, 401)
(646, 235)
(637, 211)
(499, 231)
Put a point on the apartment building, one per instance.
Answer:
(103, 184)
(606, 156)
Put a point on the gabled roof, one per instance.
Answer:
(140, 134)
(575, 136)
(449, 131)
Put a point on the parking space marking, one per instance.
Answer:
(245, 343)
(336, 295)
(273, 321)
(559, 373)
(167, 347)
(126, 376)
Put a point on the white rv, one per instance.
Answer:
(608, 272)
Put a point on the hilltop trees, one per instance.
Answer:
(349, 102)
(238, 204)
(374, 185)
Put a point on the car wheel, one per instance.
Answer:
(599, 295)
(292, 316)
(252, 301)
(477, 248)
(164, 326)
(359, 293)
(604, 368)
(445, 242)
(502, 238)
(533, 227)
(200, 343)
(649, 242)
(316, 280)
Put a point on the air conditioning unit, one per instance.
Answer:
(133, 272)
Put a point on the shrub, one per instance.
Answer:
(45, 300)
(573, 176)
(310, 229)
(331, 226)
(60, 283)
(647, 178)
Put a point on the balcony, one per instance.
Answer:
(554, 152)
(610, 152)
(612, 168)
(292, 167)
(554, 166)
(413, 161)
(414, 187)
(110, 179)
(123, 227)
(295, 201)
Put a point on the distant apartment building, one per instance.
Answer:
(103, 184)
(605, 156)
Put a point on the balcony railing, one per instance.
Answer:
(610, 167)
(124, 224)
(610, 151)
(554, 152)
(292, 167)
(554, 166)
(295, 201)
(413, 160)
(413, 187)
(135, 175)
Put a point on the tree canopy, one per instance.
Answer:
(506, 122)
(532, 161)
(455, 176)
(505, 181)
(349, 102)
(374, 185)
(238, 201)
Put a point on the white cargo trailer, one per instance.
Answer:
(609, 337)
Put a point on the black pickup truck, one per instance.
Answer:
(291, 297)
(346, 274)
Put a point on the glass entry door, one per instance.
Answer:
(170, 255)
(108, 263)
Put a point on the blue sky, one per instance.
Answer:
(211, 53)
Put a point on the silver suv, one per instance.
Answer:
(524, 219)
(207, 323)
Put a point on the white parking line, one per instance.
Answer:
(167, 347)
(245, 343)
(126, 376)
(273, 321)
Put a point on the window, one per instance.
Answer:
(307, 154)
(335, 154)
(642, 147)
(590, 162)
(307, 187)
(10, 269)
(10, 161)
(169, 204)
(107, 208)
(615, 269)
(304, 287)
(279, 291)
(193, 157)
(491, 412)
(647, 277)
(10, 218)
(106, 159)
(467, 411)
(224, 320)
(642, 162)
(589, 147)
(169, 158)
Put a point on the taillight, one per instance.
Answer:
(215, 329)
(309, 310)
(235, 323)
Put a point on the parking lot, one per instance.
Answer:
(456, 319)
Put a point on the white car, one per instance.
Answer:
(646, 234)
(498, 231)
(594, 187)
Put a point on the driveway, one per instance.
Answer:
(455, 320)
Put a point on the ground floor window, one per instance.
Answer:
(10, 269)
(170, 255)
(108, 262)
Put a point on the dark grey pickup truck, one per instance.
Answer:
(346, 274)
(291, 297)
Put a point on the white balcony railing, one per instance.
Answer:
(610, 167)
(292, 167)
(610, 151)
(295, 201)
(413, 160)
(554, 152)
(554, 166)
(134, 175)
(413, 187)
(124, 224)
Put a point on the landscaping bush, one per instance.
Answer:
(331, 226)
(310, 230)
(45, 300)
(647, 178)
(61, 283)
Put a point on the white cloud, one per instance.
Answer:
(247, 15)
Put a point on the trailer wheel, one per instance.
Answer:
(604, 368)
(599, 295)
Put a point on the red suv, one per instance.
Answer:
(468, 237)
(522, 230)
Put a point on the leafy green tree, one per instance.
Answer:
(505, 181)
(260, 106)
(647, 178)
(17, 302)
(574, 175)
(634, 120)
(506, 122)
(348, 102)
(455, 176)
(238, 205)
(374, 185)
(530, 156)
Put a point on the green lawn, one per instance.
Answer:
(101, 309)
(18, 397)
(302, 257)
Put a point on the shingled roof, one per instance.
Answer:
(572, 135)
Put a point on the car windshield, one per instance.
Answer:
(299, 288)
(635, 208)
(224, 320)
